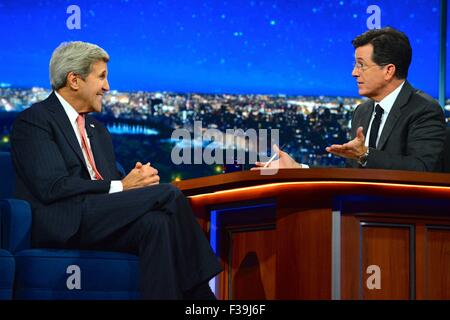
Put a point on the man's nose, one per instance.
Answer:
(106, 85)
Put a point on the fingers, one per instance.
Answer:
(350, 149)
(141, 176)
(335, 148)
(338, 150)
(259, 166)
(140, 165)
(339, 154)
(149, 171)
(146, 167)
(341, 151)
(152, 180)
(360, 134)
(276, 149)
(281, 153)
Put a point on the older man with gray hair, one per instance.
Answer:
(65, 166)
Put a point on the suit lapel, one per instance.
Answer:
(394, 114)
(60, 116)
(366, 114)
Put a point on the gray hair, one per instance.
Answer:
(76, 57)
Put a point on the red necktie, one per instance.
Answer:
(85, 145)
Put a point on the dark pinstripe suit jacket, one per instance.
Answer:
(51, 170)
(412, 137)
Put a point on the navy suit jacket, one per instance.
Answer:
(412, 137)
(51, 170)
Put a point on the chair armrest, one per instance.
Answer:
(15, 216)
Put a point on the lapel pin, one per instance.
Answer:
(92, 125)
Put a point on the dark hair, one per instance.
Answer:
(389, 46)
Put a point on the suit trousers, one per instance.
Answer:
(158, 225)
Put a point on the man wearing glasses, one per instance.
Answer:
(399, 127)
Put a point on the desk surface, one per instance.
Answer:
(252, 178)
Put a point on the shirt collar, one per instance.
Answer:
(70, 111)
(389, 100)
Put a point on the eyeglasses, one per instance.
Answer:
(362, 67)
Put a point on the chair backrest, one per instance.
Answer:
(7, 177)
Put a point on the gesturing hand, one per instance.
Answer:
(353, 149)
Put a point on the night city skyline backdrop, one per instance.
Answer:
(268, 47)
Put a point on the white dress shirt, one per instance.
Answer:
(72, 114)
(386, 104)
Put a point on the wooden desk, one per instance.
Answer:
(327, 233)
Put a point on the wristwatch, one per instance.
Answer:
(362, 160)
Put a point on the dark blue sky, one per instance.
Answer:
(237, 46)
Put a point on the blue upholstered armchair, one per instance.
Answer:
(6, 275)
(42, 273)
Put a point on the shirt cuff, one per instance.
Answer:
(116, 186)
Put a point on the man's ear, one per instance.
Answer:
(73, 81)
(390, 71)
